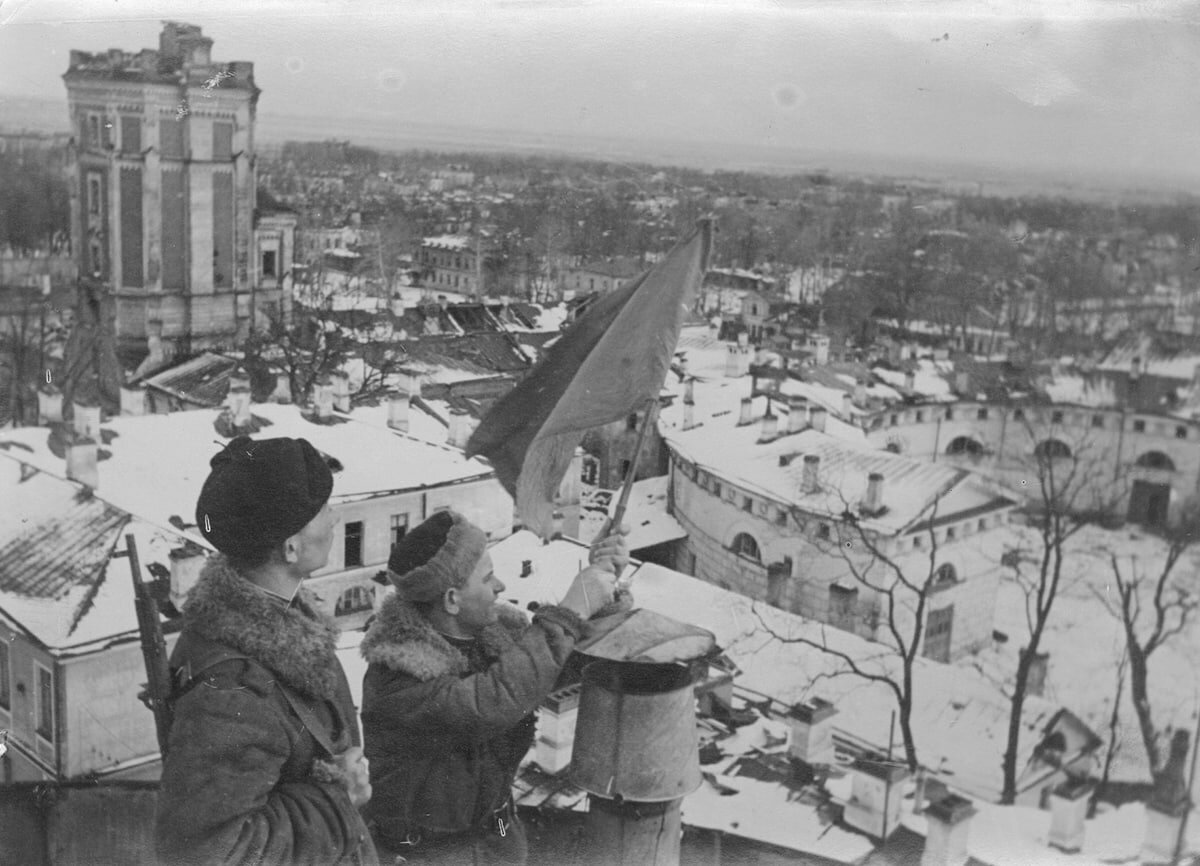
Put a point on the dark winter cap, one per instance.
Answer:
(439, 554)
(261, 492)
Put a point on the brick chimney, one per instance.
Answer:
(770, 427)
(797, 413)
(133, 400)
(910, 381)
(1068, 811)
(341, 390)
(398, 411)
(873, 500)
(322, 398)
(82, 456)
(847, 406)
(283, 388)
(811, 726)
(689, 413)
(1169, 803)
(50, 405)
(747, 412)
(860, 392)
(817, 417)
(874, 804)
(86, 419)
(811, 481)
(462, 425)
(238, 398)
(948, 825)
(186, 563)
(556, 717)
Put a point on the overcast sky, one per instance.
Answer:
(1101, 85)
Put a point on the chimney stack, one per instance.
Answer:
(323, 399)
(847, 406)
(962, 383)
(743, 340)
(1068, 811)
(82, 456)
(817, 416)
(689, 390)
(238, 398)
(689, 413)
(770, 427)
(797, 413)
(283, 388)
(811, 725)
(747, 413)
(186, 564)
(398, 411)
(341, 391)
(810, 481)
(873, 501)
(874, 804)
(50, 405)
(1168, 805)
(556, 729)
(462, 425)
(910, 381)
(86, 420)
(948, 825)
(860, 392)
(133, 400)
(397, 305)
(1135, 368)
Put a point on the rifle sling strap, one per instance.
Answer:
(307, 718)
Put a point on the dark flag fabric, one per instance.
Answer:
(608, 364)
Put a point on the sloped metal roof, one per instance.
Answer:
(203, 379)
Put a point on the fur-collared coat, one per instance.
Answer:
(245, 780)
(445, 725)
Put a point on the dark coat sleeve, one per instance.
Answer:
(483, 705)
(236, 785)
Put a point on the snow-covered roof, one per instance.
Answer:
(950, 699)
(775, 468)
(449, 242)
(158, 463)
(58, 582)
(645, 514)
(929, 379)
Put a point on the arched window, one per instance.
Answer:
(964, 445)
(944, 576)
(745, 545)
(1156, 460)
(1051, 449)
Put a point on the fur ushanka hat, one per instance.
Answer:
(438, 555)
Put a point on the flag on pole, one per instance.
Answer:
(606, 365)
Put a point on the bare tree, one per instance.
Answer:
(1073, 487)
(897, 614)
(1153, 609)
(1114, 743)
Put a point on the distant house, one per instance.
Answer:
(452, 262)
(602, 276)
(70, 659)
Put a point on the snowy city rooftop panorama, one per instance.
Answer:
(912, 468)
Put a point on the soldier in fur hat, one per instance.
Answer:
(264, 762)
(452, 683)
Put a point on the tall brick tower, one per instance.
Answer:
(163, 191)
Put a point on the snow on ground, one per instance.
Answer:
(1085, 640)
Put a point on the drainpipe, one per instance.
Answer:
(636, 754)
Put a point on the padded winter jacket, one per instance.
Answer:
(446, 724)
(262, 707)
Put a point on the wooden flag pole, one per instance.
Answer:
(618, 514)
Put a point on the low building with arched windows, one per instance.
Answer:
(780, 508)
(1135, 466)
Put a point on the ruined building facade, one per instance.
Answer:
(163, 191)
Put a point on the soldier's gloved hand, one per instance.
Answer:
(356, 771)
(591, 590)
(611, 552)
